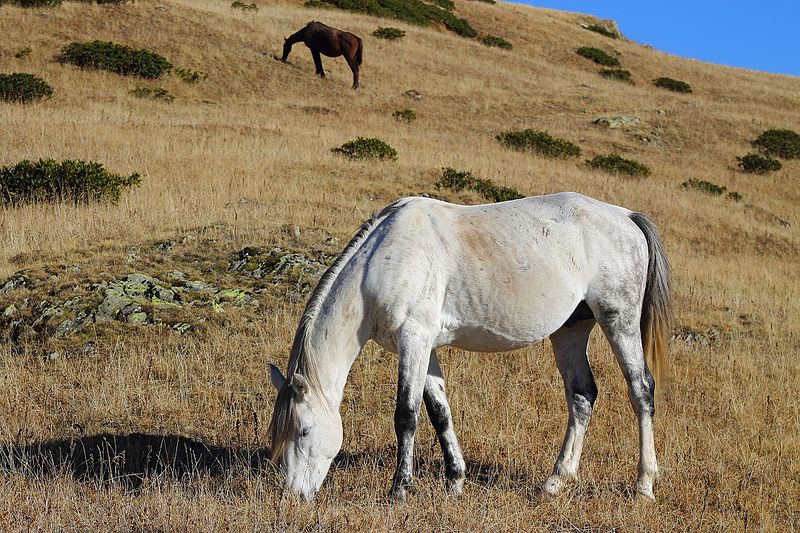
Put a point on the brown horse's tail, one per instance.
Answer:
(657, 303)
(359, 51)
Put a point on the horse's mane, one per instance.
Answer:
(301, 357)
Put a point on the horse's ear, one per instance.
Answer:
(285, 39)
(299, 384)
(276, 377)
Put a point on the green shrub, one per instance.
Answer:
(540, 142)
(156, 94)
(115, 58)
(389, 33)
(461, 180)
(602, 30)
(23, 53)
(22, 87)
(406, 115)
(704, 186)
(32, 3)
(366, 148)
(316, 4)
(446, 4)
(411, 11)
(677, 86)
(711, 188)
(244, 6)
(52, 181)
(735, 196)
(491, 40)
(598, 56)
(758, 164)
(615, 164)
(189, 75)
(487, 1)
(617, 74)
(780, 143)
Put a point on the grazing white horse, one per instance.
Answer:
(424, 273)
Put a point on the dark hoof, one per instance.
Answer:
(400, 493)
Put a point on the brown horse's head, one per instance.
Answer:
(287, 47)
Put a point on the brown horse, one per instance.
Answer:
(322, 39)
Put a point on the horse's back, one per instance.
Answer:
(495, 276)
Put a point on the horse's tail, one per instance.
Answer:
(359, 51)
(657, 304)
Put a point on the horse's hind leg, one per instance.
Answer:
(570, 349)
(439, 412)
(351, 61)
(414, 355)
(622, 331)
(318, 63)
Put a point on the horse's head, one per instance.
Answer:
(306, 433)
(287, 47)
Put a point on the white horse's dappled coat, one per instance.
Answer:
(424, 273)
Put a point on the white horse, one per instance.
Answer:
(424, 273)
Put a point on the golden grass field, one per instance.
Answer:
(727, 427)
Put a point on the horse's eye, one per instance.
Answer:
(304, 432)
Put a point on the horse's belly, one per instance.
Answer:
(477, 339)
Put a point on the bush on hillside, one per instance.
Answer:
(711, 188)
(406, 115)
(411, 11)
(614, 164)
(461, 180)
(758, 164)
(23, 53)
(779, 143)
(32, 3)
(446, 4)
(602, 30)
(47, 180)
(242, 5)
(617, 74)
(116, 58)
(598, 56)
(157, 93)
(539, 142)
(22, 87)
(189, 75)
(487, 1)
(388, 33)
(367, 148)
(499, 42)
(676, 86)
(316, 4)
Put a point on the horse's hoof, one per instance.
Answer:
(399, 493)
(454, 487)
(552, 485)
(645, 494)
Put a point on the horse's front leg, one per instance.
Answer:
(318, 63)
(414, 354)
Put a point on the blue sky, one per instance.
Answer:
(761, 35)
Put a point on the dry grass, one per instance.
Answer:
(726, 431)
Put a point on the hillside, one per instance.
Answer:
(243, 159)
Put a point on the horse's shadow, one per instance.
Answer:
(130, 459)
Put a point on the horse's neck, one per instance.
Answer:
(298, 36)
(336, 336)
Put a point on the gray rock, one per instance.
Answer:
(411, 93)
(14, 282)
(617, 121)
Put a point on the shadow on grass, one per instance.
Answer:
(132, 458)
(129, 460)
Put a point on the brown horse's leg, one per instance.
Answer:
(318, 63)
(354, 67)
